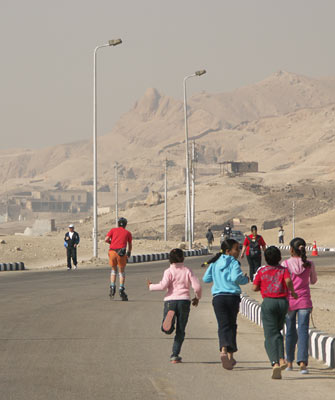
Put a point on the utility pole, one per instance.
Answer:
(116, 193)
(165, 202)
(193, 161)
(293, 219)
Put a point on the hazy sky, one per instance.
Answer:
(47, 56)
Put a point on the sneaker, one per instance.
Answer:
(289, 369)
(75, 267)
(112, 291)
(276, 372)
(175, 359)
(68, 268)
(123, 294)
(304, 371)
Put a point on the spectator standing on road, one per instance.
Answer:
(119, 238)
(71, 241)
(281, 235)
(210, 238)
(273, 281)
(225, 272)
(302, 273)
(177, 280)
(252, 248)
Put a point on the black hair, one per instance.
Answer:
(176, 256)
(272, 256)
(253, 227)
(299, 247)
(225, 245)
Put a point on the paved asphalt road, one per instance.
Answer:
(61, 337)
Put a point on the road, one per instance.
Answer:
(61, 337)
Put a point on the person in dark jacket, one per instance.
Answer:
(71, 241)
(210, 238)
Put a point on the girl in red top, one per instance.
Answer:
(274, 281)
(252, 248)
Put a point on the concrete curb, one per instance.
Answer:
(321, 345)
(13, 266)
(164, 256)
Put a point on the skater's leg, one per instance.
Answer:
(122, 276)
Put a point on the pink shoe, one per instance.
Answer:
(168, 320)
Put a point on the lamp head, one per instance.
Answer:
(114, 42)
(201, 72)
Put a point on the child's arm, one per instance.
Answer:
(237, 275)
(208, 277)
(256, 288)
(290, 286)
(313, 277)
(195, 285)
(163, 284)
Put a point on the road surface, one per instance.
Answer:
(61, 337)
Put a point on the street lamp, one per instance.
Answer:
(114, 42)
(188, 204)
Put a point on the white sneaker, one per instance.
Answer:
(68, 268)
(75, 267)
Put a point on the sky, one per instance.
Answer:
(46, 80)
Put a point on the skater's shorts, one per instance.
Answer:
(116, 260)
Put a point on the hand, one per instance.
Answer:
(195, 302)
(294, 295)
(149, 282)
(242, 255)
(128, 253)
(74, 245)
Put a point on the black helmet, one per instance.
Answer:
(122, 222)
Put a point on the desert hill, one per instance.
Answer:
(286, 123)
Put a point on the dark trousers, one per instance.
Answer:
(273, 313)
(182, 311)
(281, 239)
(254, 264)
(71, 252)
(226, 308)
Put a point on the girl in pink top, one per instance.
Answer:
(177, 280)
(302, 274)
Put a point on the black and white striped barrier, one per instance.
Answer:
(12, 266)
(309, 248)
(164, 256)
(321, 345)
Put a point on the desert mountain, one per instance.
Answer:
(284, 122)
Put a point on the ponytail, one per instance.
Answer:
(299, 248)
(225, 245)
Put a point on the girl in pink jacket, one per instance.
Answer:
(177, 280)
(302, 274)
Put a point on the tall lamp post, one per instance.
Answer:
(188, 203)
(95, 124)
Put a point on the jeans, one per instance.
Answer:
(273, 313)
(254, 264)
(182, 311)
(226, 308)
(71, 252)
(301, 336)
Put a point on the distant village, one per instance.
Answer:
(26, 205)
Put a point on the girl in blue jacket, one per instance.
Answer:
(225, 272)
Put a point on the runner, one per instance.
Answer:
(118, 238)
(252, 248)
